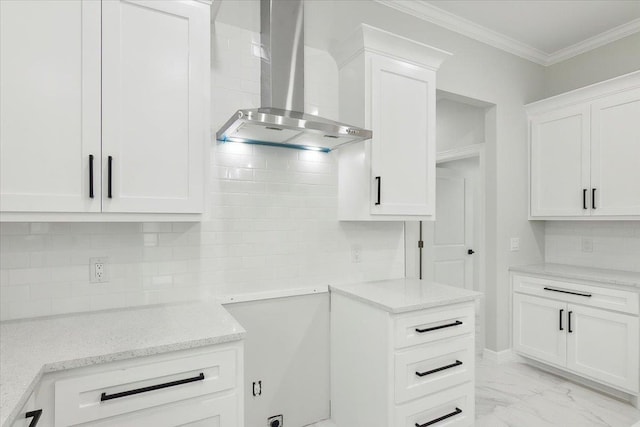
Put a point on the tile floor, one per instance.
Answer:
(517, 395)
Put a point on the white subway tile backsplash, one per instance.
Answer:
(270, 222)
(616, 244)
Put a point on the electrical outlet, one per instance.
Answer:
(587, 244)
(356, 254)
(275, 421)
(515, 244)
(98, 270)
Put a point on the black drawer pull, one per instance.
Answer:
(91, 176)
(584, 199)
(442, 418)
(379, 179)
(433, 371)
(109, 171)
(106, 396)
(36, 417)
(561, 311)
(435, 328)
(567, 292)
(593, 198)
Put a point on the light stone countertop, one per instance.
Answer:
(30, 348)
(611, 277)
(403, 295)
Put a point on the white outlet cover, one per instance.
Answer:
(93, 277)
(515, 244)
(587, 244)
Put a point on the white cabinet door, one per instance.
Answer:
(603, 345)
(539, 328)
(560, 147)
(403, 145)
(615, 154)
(49, 105)
(154, 64)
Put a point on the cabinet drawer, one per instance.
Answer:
(431, 325)
(207, 411)
(593, 296)
(119, 391)
(453, 407)
(432, 367)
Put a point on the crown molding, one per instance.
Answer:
(430, 13)
(594, 42)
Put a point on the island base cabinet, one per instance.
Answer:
(604, 346)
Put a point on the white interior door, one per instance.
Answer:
(615, 154)
(560, 146)
(154, 60)
(448, 240)
(49, 105)
(403, 145)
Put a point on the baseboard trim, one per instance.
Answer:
(498, 356)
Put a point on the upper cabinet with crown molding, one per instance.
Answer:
(104, 112)
(585, 152)
(388, 85)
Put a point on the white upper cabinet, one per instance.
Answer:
(584, 151)
(387, 84)
(615, 154)
(154, 63)
(104, 109)
(49, 105)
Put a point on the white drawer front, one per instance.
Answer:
(78, 400)
(456, 404)
(600, 297)
(220, 411)
(433, 367)
(432, 325)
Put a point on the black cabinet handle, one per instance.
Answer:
(106, 396)
(433, 371)
(569, 321)
(91, 176)
(110, 169)
(435, 328)
(567, 292)
(379, 179)
(444, 417)
(584, 199)
(593, 198)
(36, 417)
(561, 311)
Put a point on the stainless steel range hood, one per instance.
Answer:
(281, 120)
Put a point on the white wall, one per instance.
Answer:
(608, 61)
(616, 244)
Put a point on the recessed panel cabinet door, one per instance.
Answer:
(403, 145)
(154, 57)
(560, 150)
(615, 154)
(539, 328)
(604, 346)
(49, 106)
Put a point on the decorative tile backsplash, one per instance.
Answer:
(270, 221)
(599, 244)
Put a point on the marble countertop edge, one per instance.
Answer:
(600, 275)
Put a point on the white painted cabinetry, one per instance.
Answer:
(403, 370)
(197, 387)
(584, 329)
(104, 108)
(584, 151)
(387, 84)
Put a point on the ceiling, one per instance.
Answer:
(545, 31)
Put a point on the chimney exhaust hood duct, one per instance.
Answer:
(281, 120)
